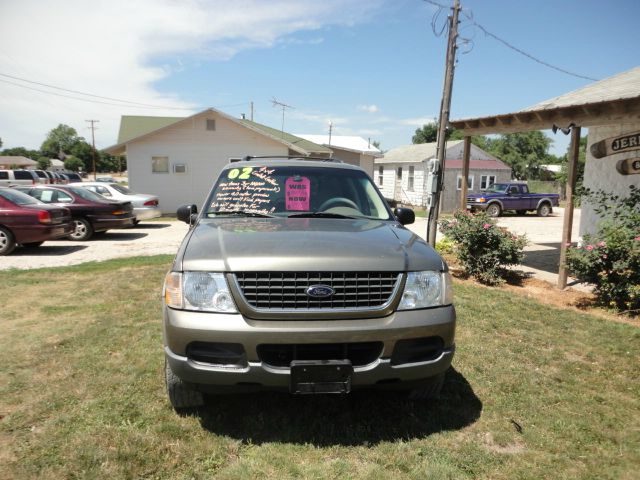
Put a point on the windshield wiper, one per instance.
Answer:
(318, 215)
(240, 213)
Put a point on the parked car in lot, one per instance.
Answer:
(106, 179)
(43, 177)
(144, 206)
(512, 196)
(26, 221)
(90, 212)
(73, 177)
(296, 275)
(10, 178)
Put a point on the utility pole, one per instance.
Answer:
(252, 111)
(284, 106)
(445, 107)
(330, 130)
(93, 141)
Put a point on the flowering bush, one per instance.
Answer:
(484, 250)
(610, 259)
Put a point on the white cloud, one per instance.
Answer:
(417, 122)
(368, 108)
(108, 47)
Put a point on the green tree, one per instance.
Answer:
(60, 140)
(20, 152)
(84, 152)
(523, 152)
(73, 163)
(427, 134)
(44, 163)
(582, 158)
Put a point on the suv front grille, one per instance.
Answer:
(288, 290)
(359, 353)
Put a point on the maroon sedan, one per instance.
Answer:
(90, 212)
(28, 222)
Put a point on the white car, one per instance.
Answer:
(144, 206)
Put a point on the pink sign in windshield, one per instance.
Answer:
(297, 191)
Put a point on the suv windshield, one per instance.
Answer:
(285, 191)
(498, 188)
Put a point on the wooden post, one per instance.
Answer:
(466, 153)
(568, 211)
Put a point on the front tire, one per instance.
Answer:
(494, 210)
(544, 210)
(82, 230)
(7, 242)
(180, 394)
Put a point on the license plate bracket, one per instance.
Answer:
(310, 377)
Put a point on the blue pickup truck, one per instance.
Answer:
(512, 196)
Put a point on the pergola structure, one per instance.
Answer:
(612, 101)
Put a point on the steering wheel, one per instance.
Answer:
(332, 202)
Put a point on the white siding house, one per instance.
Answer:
(349, 149)
(181, 160)
(403, 173)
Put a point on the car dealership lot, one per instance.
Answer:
(164, 237)
(152, 238)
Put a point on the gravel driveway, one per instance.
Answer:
(150, 238)
(164, 237)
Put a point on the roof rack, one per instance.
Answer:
(284, 157)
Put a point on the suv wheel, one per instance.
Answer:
(180, 394)
(430, 389)
(7, 243)
(82, 230)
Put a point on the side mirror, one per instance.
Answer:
(187, 213)
(405, 216)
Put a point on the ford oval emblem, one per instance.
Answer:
(320, 291)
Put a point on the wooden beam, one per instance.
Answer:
(589, 115)
(567, 225)
(466, 154)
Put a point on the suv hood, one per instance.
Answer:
(304, 244)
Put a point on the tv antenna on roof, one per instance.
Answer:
(284, 106)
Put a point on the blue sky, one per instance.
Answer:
(374, 68)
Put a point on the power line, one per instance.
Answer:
(122, 103)
(469, 15)
(91, 94)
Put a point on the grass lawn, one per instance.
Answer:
(536, 392)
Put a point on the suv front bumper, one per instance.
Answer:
(181, 328)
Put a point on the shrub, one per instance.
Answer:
(445, 247)
(483, 249)
(610, 259)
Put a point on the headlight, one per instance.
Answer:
(200, 291)
(426, 289)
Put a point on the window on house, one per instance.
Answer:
(399, 173)
(410, 179)
(160, 164)
(179, 168)
(380, 175)
(211, 124)
(486, 181)
(469, 182)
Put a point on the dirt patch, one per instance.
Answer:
(510, 449)
(548, 294)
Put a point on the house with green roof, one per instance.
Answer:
(179, 158)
